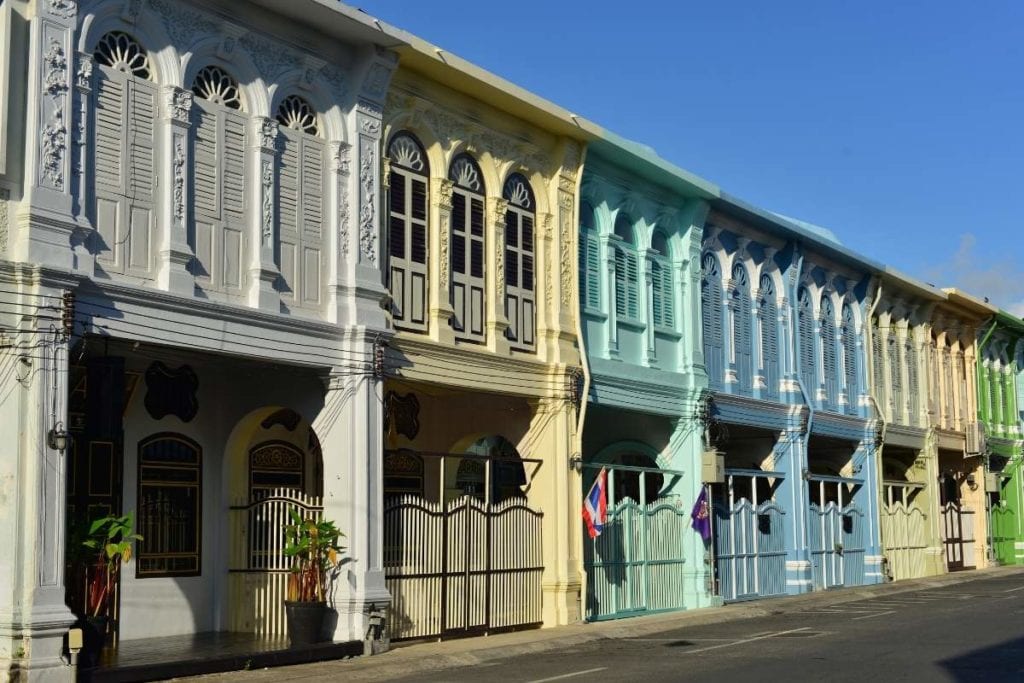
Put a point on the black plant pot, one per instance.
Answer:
(305, 622)
(94, 638)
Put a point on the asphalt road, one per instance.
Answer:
(967, 632)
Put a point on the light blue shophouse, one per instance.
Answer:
(639, 268)
(783, 305)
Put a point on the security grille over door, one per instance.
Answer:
(470, 564)
(903, 530)
(750, 551)
(835, 529)
(636, 564)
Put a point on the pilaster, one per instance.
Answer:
(370, 294)
(497, 321)
(608, 256)
(175, 254)
(441, 311)
(81, 167)
(791, 459)
(341, 155)
(263, 271)
(47, 215)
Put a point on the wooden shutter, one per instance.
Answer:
(850, 359)
(312, 193)
(122, 149)
(519, 277)
(657, 296)
(830, 366)
(770, 343)
(743, 340)
(805, 325)
(895, 379)
(467, 282)
(408, 249)
(878, 360)
(668, 304)
(912, 379)
(711, 319)
(621, 284)
(633, 284)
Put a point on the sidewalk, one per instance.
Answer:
(408, 660)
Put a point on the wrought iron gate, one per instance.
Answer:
(835, 533)
(462, 567)
(636, 564)
(750, 549)
(258, 569)
(904, 534)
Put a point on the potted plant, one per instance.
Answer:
(314, 548)
(105, 545)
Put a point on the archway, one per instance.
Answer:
(491, 458)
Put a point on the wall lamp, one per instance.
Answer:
(576, 463)
(57, 437)
(971, 481)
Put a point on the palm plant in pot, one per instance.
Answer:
(314, 546)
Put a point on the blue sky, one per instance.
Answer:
(898, 125)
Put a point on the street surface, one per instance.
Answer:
(967, 632)
(962, 627)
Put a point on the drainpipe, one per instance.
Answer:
(584, 394)
(985, 459)
(794, 325)
(882, 416)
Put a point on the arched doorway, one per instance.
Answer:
(273, 465)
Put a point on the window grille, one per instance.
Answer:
(296, 113)
(120, 51)
(169, 506)
(218, 86)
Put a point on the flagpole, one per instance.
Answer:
(711, 546)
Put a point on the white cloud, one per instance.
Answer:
(1000, 280)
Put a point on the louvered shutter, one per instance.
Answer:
(711, 320)
(668, 305)
(805, 326)
(633, 284)
(467, 285)
(895, 380)
(621, 284)
(770, 346)
(110, 132)
(288, 201)
(140, 201)
(912, 380)
(878, 360)
(312, 193)
(593, 261)
(830, 367)
(850, 362)
(656, 293)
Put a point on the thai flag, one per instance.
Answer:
(595, 505)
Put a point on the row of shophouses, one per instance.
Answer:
(258, 255)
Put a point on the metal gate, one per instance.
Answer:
(1004, 532)
(636, 564)
(958, 537)
(750, 549)
(463, 567)
(258, 567)
(904, 533)
(835, 533)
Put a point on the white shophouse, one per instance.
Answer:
(204, 179)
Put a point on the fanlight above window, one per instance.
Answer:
(406, 152)
(218, 86)
(517, 192)
(297, 114)
(466, 174)
(120, 51)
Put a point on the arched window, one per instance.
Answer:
(662, 291)
(805, 330)
(403, 472)
(829, 361)
(739, 303)
(711, 319)
(849, 334)
(627, 271)
(467, 249)
(407, 232)
(519, 262)
(276, 465)
(590, 259)
(768, 322)
(301, 187)
(170, 492)
(218, 187)
(124, 101)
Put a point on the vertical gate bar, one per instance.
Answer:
(488, 520)
(756, 536)
(443, 507)
(732, 538)
(644, 585)
(610, 512)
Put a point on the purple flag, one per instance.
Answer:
(701, 515)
